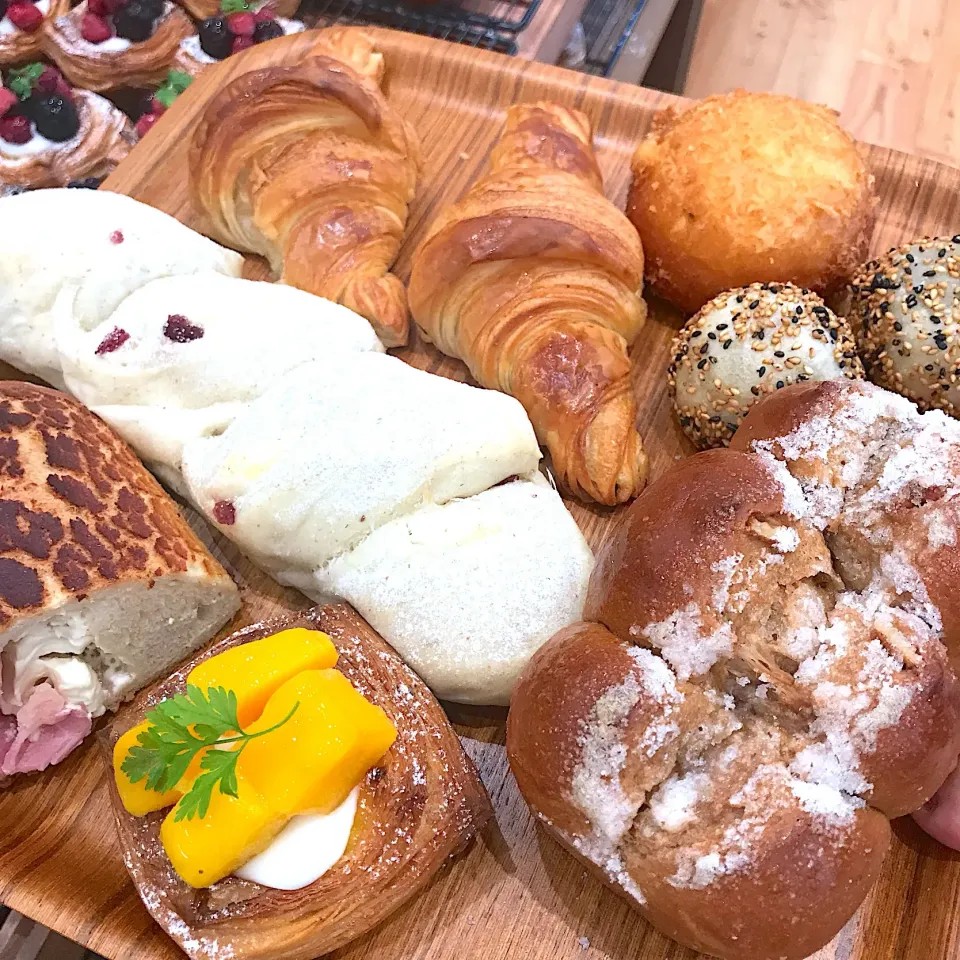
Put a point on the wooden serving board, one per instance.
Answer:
(516, 894)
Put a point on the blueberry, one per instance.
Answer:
(56, 117)
(267, 30)
(216, 40)
(135, 21)
(88, 183)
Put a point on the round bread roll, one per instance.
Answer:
(747, 187)
(763, 681)
(905, 311)
(746, 343)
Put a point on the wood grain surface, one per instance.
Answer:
(516, 894)
(888, 66)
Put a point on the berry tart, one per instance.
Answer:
(106, 44)
(20, 23)
(54, 136)
(160, 100)
(237, 26)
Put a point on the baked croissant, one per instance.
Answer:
(104, 138)
(21, 46)
(116, 63)
(310, 167)
(534, 280)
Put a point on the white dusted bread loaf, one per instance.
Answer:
(763, 677)
(103, 586)
(94, 247)
(336, 449)
(469, 590)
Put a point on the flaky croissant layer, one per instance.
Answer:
(534, 281)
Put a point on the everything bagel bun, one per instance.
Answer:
(726, 739)
(749, 187)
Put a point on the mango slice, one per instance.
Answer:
(308, 765)
(255, 671)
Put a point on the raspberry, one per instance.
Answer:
(95, 29)
(15, 128)
(225, 513)
(51, 81)
(8, 99)
(25, 16)
(266, 12)
(114, 340)
(146, 123)
(242, 24)
(116, 236)
(180, 330)
(156, 106)
(242, 43)
(98, 8)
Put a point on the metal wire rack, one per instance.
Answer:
(607, 25)
(495, 29)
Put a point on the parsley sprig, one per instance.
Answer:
(178, 729)
(22, 81)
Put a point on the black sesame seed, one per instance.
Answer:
(804, 291)
(774, 288)
(755, 391)
(779, 384)
(834, 333)
(942, 252)
(740, 298)
(755, 304)
(696, 333)
(928, 367)
(898, 326)
(802, 378)
(702, 363)
(911, 301)
(880, 282)
(943, 373)
(726, 344)
(779, 353)
(722, 326)
(819, 310)
(929, 273)
(711, 335)
(956, 239)
(799, 309)
(704, 348)
(714, 419)
(712, 359)
(761, 371)
(910, 257)
(918, 288)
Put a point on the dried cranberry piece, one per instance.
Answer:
(180, 329)
(225, 513)
(114, 340)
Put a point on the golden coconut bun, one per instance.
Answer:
(749, 187)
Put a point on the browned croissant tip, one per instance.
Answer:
(382, 301)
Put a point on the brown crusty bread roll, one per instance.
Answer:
(757, 691)
(422, 804)
(103, 585)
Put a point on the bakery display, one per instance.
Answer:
(162, 99)
(534, 280)
(103, 586)
(749, 187)
(105, 247)
(904, 309)
(20, 27)
(103, 45)
(366, 740)
(336, 167)
(52, 135)
(746, 343)
(763, 676)
(236, 26)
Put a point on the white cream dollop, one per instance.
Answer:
(307, 847)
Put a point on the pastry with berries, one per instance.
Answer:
(20, 23)
(162, 99)
(54, 136)
(238, 25)
(107, 44)
(205, 9)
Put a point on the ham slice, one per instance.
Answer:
(47, 729)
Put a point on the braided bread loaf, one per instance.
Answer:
(766, 678)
